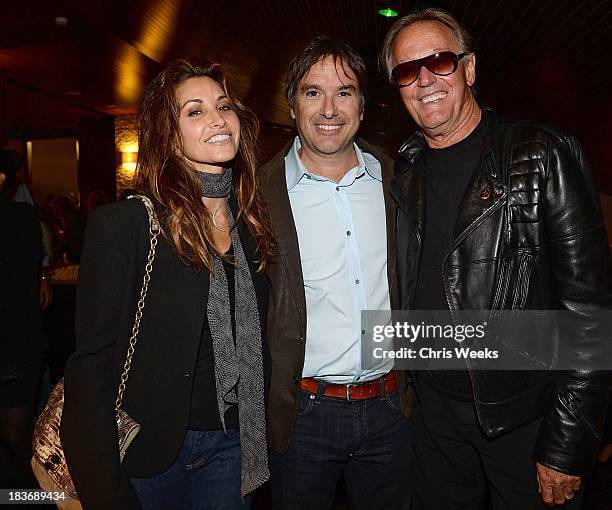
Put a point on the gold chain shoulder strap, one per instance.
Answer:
(154, 231)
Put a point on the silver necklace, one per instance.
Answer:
(214, 220)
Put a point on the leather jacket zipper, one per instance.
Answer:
(465, 233)
(520, 295)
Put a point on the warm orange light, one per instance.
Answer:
(129, 168)
(126, 144)
(129, 157)
(159, 22)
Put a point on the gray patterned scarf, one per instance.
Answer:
(238, 365)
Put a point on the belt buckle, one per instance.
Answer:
(348, 391)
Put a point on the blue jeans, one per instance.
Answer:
(204, 476)
(366, 441)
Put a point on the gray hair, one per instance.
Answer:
(464, 40)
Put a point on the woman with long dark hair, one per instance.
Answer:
(196, 380)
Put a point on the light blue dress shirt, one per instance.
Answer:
(342, 234)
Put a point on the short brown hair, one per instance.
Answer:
(318, 48)
(464, 40)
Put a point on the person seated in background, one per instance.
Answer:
(21, 338)
(95, 199)
(71, 229)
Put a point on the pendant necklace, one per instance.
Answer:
(214, 220)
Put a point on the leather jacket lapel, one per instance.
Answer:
(485, 192)
(408, 191)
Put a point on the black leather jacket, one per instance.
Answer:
(529, 235)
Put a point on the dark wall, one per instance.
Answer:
(96, 156)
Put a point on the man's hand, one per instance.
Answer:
(46, 293)
(556, 488)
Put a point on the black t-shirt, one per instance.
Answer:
(447, 174)
(204, 411)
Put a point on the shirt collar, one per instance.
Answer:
(295, 169)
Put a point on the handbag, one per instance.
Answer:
(48, 460)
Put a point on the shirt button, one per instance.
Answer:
(348, 232)
(186, 374)
(357, 282)
(363, 331)
(337, 188)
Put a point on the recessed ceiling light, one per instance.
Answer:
(387, 12)
(61, 21)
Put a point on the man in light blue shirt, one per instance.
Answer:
(342, 237)
(331, 411)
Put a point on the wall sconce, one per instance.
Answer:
(128, 161)
(126, 146)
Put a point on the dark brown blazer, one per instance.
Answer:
(287, 306)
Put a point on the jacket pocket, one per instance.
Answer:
(512, 287)
(521, 289)
(503, 282)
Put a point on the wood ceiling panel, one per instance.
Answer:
(542, 59)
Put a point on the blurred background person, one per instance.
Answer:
(21, 341)
(21, 193)
(95, 199)
(605, 453)
(71, 229)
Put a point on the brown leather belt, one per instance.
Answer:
(363, 391)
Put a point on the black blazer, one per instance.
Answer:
(160, 381)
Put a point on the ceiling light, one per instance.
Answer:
(387, 12)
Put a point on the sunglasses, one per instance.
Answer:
(442, 63)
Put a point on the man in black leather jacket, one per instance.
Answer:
(494, 215)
